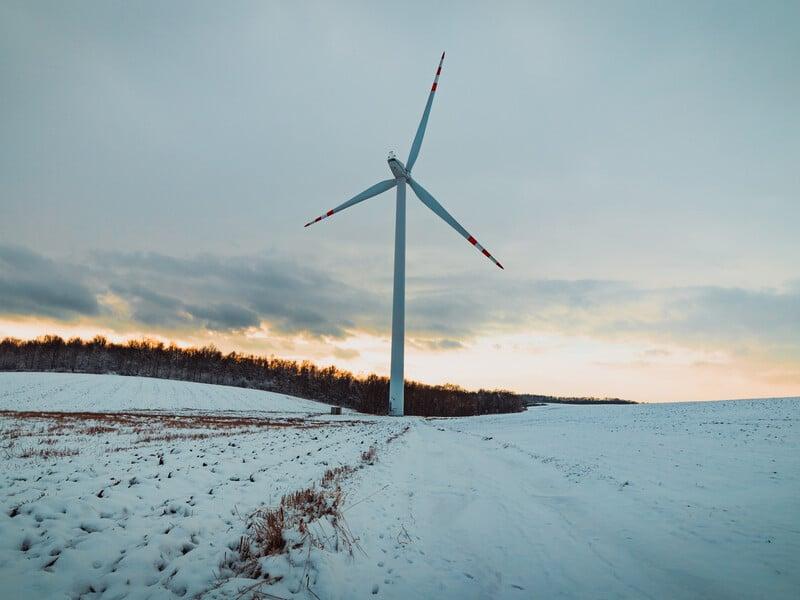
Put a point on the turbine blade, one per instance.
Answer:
(366, 194)
(417, 143)
(431, 203)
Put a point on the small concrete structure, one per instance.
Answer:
(336, 410)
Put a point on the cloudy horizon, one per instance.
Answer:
(633, 168)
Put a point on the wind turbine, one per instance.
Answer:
(402, 175)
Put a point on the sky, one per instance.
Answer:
(632, 165)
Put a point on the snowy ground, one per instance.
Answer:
(80, 392)
(696, 500)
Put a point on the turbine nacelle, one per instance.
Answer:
(398, 168)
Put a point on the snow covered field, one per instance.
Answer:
(80, 392)
(698, 500)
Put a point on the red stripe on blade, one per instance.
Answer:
(485, 253)
(472, 240)
(329, 213)
(433, 87)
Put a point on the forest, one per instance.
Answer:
(148, 358)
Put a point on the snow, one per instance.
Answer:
(648, 501)
(82, 392)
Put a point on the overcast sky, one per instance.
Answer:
(634, 166)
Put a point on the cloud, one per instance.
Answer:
(456, 307)
(345, 353)
(225, 316)
(656, 352)
(238, 292)
(734, 313)
(33, 285)
(215, 293)
(162, 310)
(697, 314)
(231, 294)
(437, 344)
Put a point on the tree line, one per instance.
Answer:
(330, 385)
(537, 399)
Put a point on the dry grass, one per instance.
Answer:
(16, 431)
(151, 427)
(394, 436)
(48, 453)
(269, 529)
(98, 429)
(331, 476)
(369, 456)
(172, 437)
(292, 525)
(61, 420)
(13, 433)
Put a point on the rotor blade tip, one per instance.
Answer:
(442, 55)
(501, 266)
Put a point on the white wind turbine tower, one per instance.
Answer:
(402, 175)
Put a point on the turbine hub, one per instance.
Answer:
(398, 168)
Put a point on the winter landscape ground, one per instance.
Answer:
(126, 487)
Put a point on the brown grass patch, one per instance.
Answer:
(289, 526)
(107, 422)
(151, 427)
(172, 437)
(98, 429)
(12, 433)
(331, 476)
(48, 453)
(369, 456)
(394, 436)
(271, 529)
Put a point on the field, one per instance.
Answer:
(126, 487)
